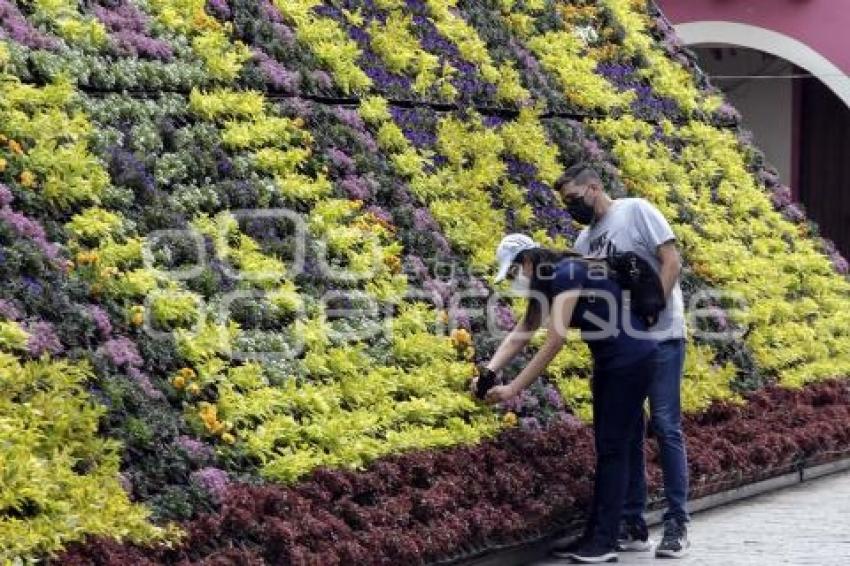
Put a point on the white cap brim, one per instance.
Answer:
(503, 271)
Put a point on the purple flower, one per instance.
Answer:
(270, 11)
(460, 318)
(276, 75)
(530, 402)
(593, 150)
(340, 161)
(380, 213)
(440, 290)
(416, 266)
(350, 118)
(729, 113)
(356, 187)
(504, 317)
(14, 26)
(144, 383)
(128, 26)
(219, 9)
(131, 43)
(423, 221)
(441, 243)
(553, 397)
(298, 107)
(322, 79)
(122, 351)
(197, 451)
(29, 228)
(8, 310)
(101, 320)
(781, 196)
(794, 213)
(570, 420)
(212, 480)
(42, 339)
(6, 196)
(530, 423)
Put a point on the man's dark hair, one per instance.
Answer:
(580, 173)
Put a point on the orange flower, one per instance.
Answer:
(510, 419)
(178, 382)
(393, 263)
(461, 338)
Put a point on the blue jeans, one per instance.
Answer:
(618, 397)
(665, 409)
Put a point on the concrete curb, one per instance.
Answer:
(523, 554)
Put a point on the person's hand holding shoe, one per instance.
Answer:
(499, 394)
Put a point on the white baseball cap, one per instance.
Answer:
(510, 246)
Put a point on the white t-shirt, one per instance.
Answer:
(634, 225)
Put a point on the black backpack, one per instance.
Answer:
(636, 275)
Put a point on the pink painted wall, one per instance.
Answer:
(823, 25)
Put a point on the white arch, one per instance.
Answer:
(769, 41)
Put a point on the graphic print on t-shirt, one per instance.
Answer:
(601, 246)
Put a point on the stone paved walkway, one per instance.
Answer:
(805, 524)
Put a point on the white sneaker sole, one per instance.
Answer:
(634, 546)
(610, 557)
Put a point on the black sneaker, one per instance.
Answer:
(674, 543)
(593, 553)
(634, 537)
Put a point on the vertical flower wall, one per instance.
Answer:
(246, 252)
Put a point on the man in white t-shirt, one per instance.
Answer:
(633, 224)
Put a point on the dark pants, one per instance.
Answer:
(665, 410)
(618, 397)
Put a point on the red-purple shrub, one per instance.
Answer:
(426, 506)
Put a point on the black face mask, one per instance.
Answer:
(581, 212)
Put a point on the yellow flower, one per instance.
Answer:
(193, 388)
(15, 147)
(228, 438)
(178, 382)
(188, 373)
(2, 164)
(137, 315)
(510, 419)
(27, 178)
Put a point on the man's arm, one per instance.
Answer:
(671, 265)
(656, 233)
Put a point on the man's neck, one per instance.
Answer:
(602, 206)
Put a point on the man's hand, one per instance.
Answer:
(499, 394)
